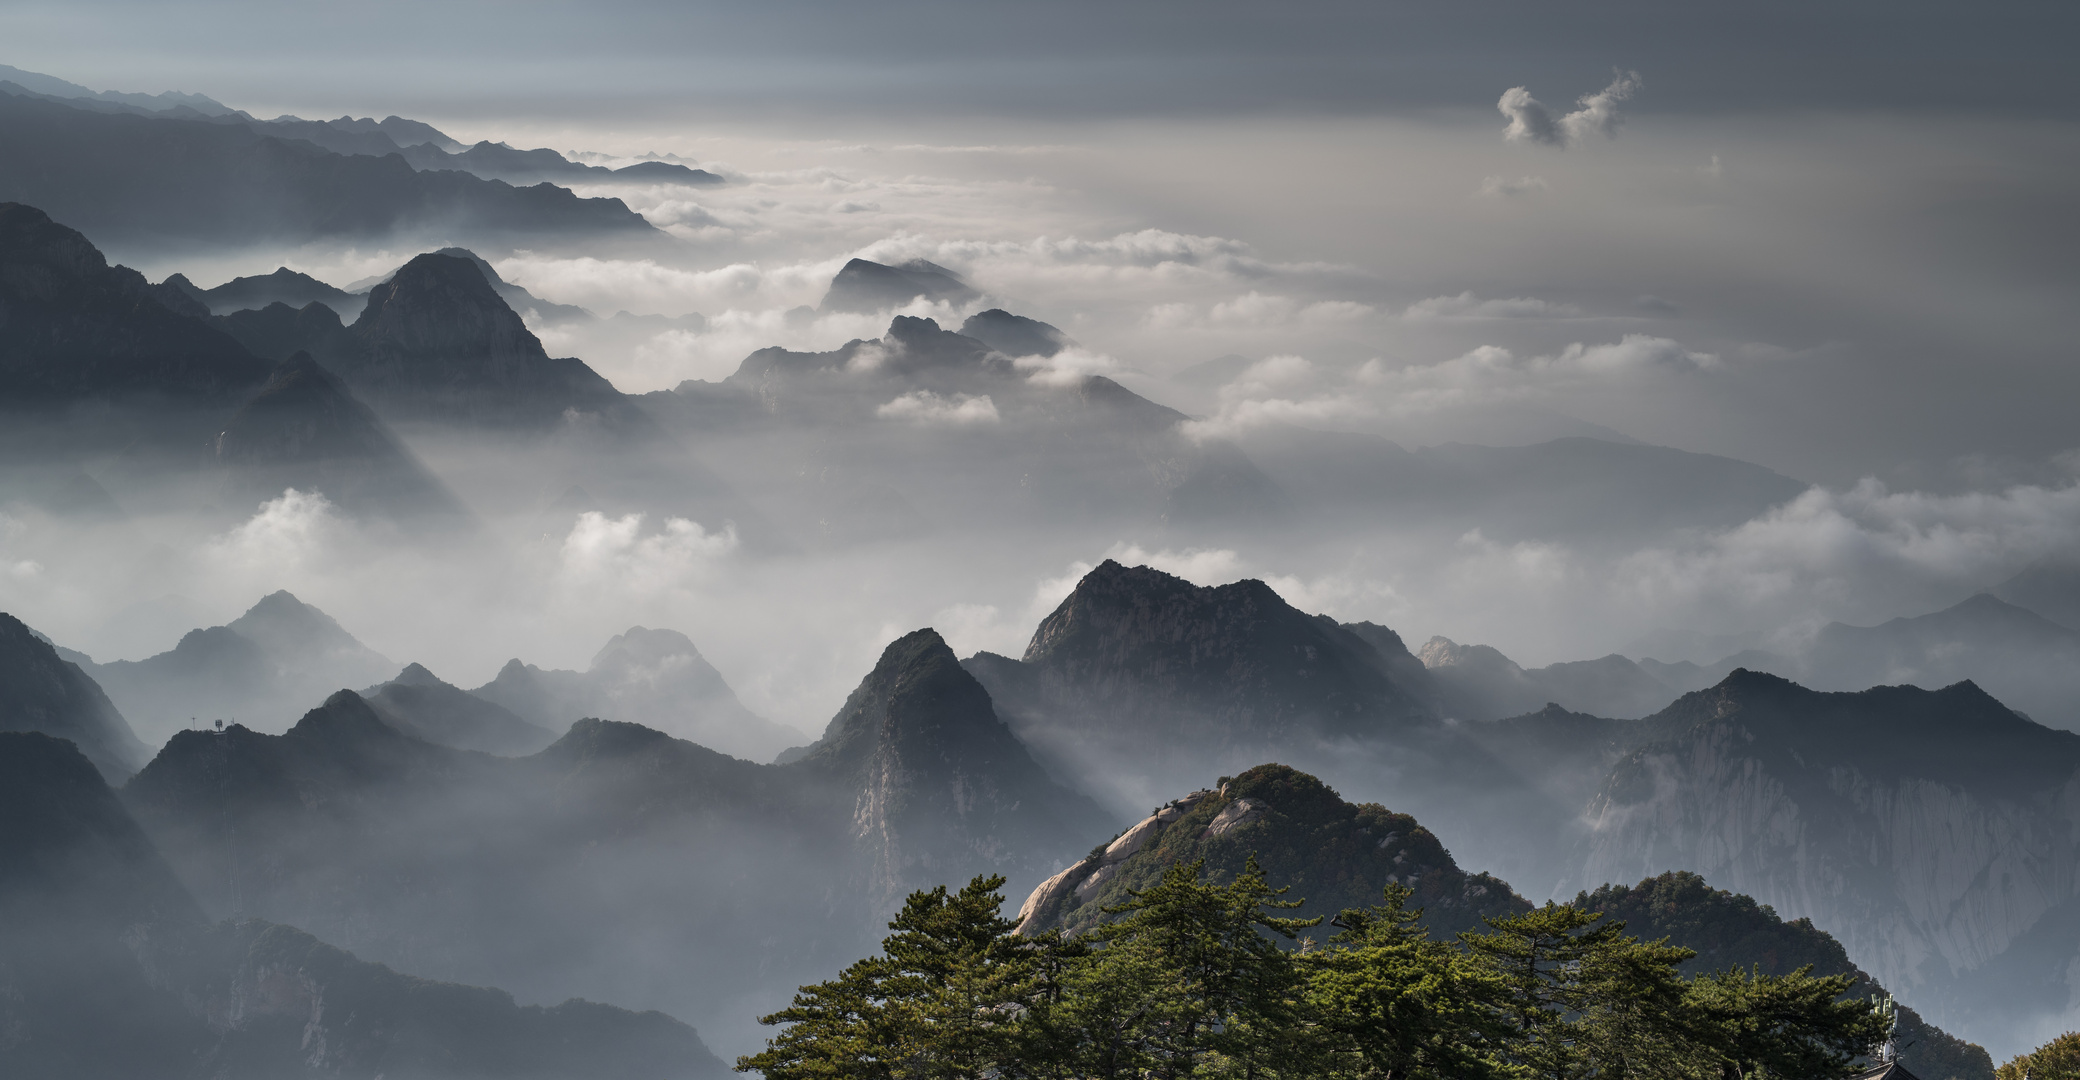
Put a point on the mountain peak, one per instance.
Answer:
(1014, 335)
(943, 788)
(865, 286)
(415, 674)
(438, 340)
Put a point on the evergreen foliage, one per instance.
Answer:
(1196, 977)
(2058, 1059)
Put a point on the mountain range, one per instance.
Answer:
(1336, 856)
(109, 968)
(150, 179)
(356, 824)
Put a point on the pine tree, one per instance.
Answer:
(941, 1003)
(1788, 1025)
(1185, 981)
(1396, 1004)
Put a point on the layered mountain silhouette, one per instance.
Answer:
(656, 678)
(263, 668)
(42, 691)
(600, 865)
(98, 364)
(923, 426)
(78, 328)
(419, 704)
(1925, 828)
(168, 179)
(304, 430)
(284, 286)
(109, 968)
(1479, 683)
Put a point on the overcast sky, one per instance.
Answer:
(1075, 58)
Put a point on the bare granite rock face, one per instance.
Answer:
(1931, 831)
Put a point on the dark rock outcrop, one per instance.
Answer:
(437, 341)
(42, 691)
(73, 327)
(942, 789)
(1220, 665)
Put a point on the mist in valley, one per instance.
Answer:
(625, 571)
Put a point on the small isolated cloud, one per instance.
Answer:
(604, 551)
(1468, 306)
(1531, 121)
(282, 534)
(1280, 390)
(1257, 310)
(1066, 368)
(925, 407)
(1502, 187)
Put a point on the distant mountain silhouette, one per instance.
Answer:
(264, 668)
(164, 180)
(419, 704)
(1014, 335)
(1480, 683)
(109, 968)
(653, 677)
(602, 863)
(284, 286)
(497, 161)
(2050, 587)
(42, 691)
(867, 287)
(303, 430)
(1924, 828)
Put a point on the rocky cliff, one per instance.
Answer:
(1333, 854)
(76, 327)
(1931, 831)
(436, 341)
(941, 789)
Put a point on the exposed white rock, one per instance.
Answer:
(1238, 813)
(1085, 878)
